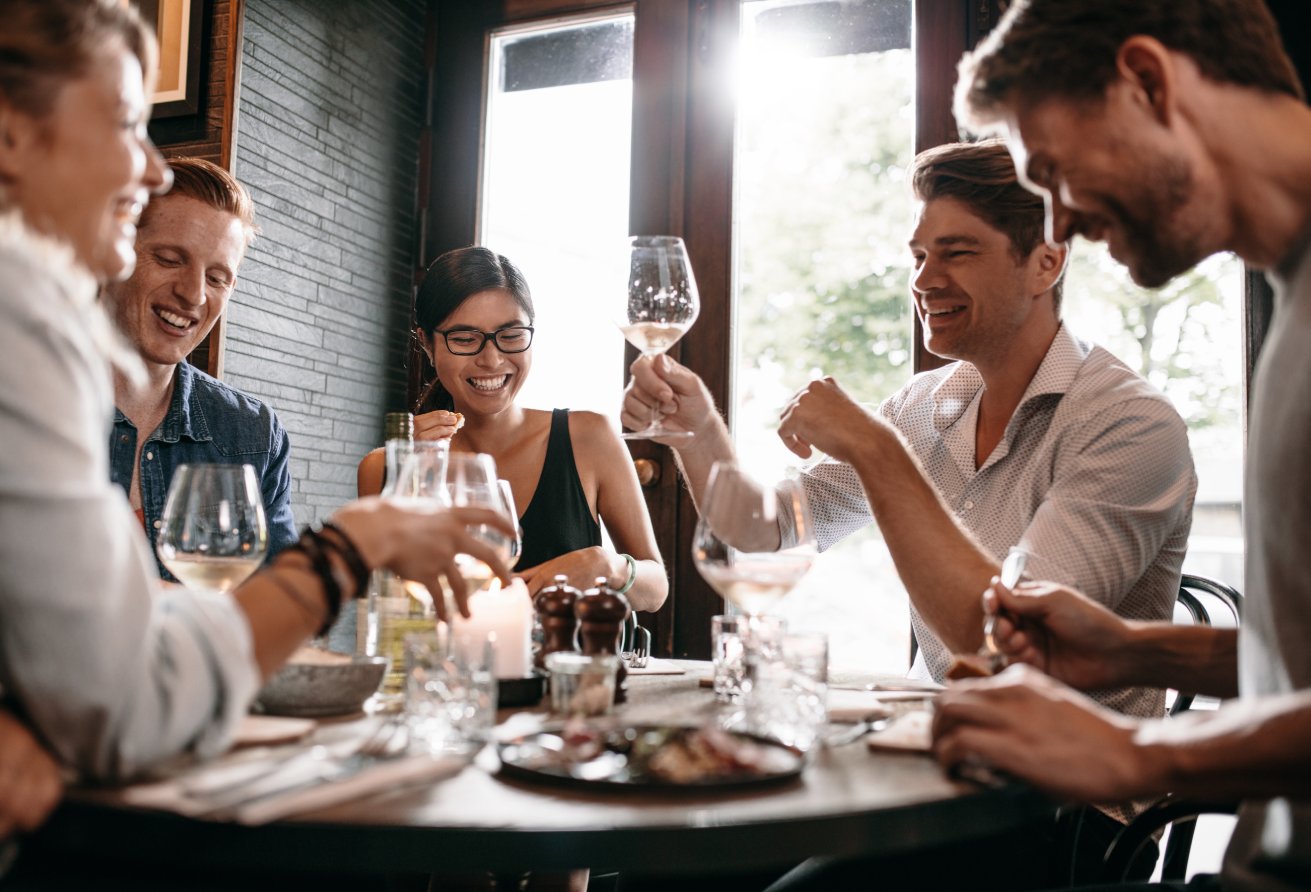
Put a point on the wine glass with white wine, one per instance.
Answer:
(659, 305)
(753, 543)
(213, 533)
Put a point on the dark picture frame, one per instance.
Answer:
(177, 25)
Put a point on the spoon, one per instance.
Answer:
(1012, 569)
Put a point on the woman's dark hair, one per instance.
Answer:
(452, 279)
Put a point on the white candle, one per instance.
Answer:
(507, 615)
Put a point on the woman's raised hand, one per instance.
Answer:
(437, 425)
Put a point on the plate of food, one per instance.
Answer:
(671, 757)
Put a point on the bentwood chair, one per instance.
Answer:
(1201, 598)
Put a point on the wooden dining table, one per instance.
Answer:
(849, 801)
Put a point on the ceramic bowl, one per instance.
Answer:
(321, 689)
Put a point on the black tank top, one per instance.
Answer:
(558, 520)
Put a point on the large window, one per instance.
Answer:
(774, 136)
(1186, 339)
(555, 192)
(822, 209)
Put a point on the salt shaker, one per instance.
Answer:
(601, 612)
(555, 610)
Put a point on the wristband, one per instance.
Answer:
(632, 575)
(310, 545)
(335, 539)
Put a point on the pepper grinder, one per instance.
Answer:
(555, 610)
(601, 612)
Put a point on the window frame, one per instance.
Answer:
(682, 184)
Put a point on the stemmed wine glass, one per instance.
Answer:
(516, 547)
(213, 533)
(659, 306)
(753, 543)
(471, 481)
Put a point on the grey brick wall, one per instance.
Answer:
(329, 117)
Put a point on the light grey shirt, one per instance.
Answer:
(1093, 476)
(114, 671)
(1271, 844)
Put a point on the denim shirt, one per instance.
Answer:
(207, 421)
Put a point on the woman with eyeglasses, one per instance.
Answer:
(569, 471)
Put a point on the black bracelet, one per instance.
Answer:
(345, 548)
(309, 543)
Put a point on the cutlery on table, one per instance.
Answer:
(851, 733)
(1012, 570)
(387, 741)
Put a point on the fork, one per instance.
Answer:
(641, 652)
(635, 648)
(1012, 569)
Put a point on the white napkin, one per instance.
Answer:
(855, 706)
(390, 774)
(655, 666)
(910, 732)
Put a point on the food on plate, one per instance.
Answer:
(653, 754)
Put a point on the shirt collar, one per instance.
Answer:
(1056, 372)
(186, 417)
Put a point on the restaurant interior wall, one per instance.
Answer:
(329, 114)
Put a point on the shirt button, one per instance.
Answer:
(968, 504)
(123, 438)
(157, 524)
(150, 456)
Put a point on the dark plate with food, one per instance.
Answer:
(670, 757)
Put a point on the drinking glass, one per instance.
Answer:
(450, 691)
(507, 494)
(398, 607)
(471, 481)
(213, 533)
(737, 542)
(753, 543)
(659, 306)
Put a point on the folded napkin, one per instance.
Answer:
(299, 785)
(856, 706)
(656, 666)
(909, 732)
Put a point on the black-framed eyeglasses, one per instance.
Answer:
(471, 341)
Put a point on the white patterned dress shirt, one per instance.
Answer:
(1093, 476)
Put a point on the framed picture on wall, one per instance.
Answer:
(177, 25)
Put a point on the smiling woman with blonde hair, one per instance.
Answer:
(111, 670)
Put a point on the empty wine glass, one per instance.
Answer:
(213, 533)
(507, 494)
(658, 307)
(471, 481)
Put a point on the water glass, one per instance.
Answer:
(582, 684)
(805, 655)
(729, 634)
(785, 694)
(450, 691)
